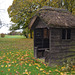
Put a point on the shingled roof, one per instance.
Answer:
(54, 17)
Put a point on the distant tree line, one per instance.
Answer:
(15, 33)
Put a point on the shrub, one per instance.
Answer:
(2, 35)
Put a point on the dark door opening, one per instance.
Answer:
(41, 38)
(41, 41)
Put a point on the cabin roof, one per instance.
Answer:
(54, 17)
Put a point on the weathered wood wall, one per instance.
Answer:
(61, 49)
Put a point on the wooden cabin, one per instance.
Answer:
(54, 35)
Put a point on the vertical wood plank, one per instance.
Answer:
(35, 52)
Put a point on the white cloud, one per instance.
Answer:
(4, 30)
(4, 4)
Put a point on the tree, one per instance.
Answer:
(69, 5)
(21, 11)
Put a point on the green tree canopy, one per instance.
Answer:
(21, 11)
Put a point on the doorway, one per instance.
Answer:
(41, 38)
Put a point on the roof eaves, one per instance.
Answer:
(32, 22)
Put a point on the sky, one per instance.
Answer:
(4, 17)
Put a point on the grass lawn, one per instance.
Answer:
(14, 36)
(16, 58)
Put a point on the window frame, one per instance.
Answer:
(67, 35)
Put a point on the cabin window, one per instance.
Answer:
(63, 33)
(39, 33)
(45, 33)
(66, 33)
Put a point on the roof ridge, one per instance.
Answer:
(53, 9)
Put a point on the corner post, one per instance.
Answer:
(49, 46)
(35, 52)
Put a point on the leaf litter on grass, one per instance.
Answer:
(16, 58)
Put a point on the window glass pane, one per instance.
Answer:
(45, 33)
(63, 33)
(39, 33)
(68, 33)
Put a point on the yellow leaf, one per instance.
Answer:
(41, 69)
(37, 67)
(38, 74)
(47, 73)
(2, 65)
(29, 64)
(26, 72)
(29, 72)
(57, 70)
(61, 73)
(9, 65)
(62, 67)
(8, 69)
(16, 64)
(6, 66)
(50, 71)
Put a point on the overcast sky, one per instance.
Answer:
(4, 4)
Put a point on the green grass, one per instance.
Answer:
(14, 36)
(16, 58)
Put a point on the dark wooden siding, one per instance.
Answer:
(61, 49)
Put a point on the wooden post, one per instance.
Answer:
(35, 52)
(49, 46)
(46, 55)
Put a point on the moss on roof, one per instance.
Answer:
(56, 17)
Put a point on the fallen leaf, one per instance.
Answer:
(30, 65)
(41, 69)
(37, 67)
(6, 66)
(2, 71)
(2, 65)
(8, 70)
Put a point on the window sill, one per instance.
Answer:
(66, 39)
